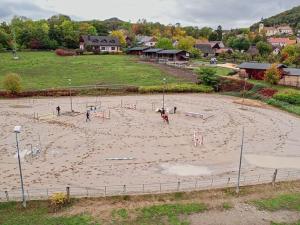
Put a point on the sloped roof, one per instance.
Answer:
(144, 39)
(137, 49)
(205, 48)
(292, 71)
(258, 66)
(170, 52)
(281, 40)
(100, 40)
(153, 50)
(253, 50)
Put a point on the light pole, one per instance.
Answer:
(164, 80)
(240, 165)
(245, 79)
(17, 130)
(70, 95)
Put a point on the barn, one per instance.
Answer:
(173, 55)
(257, 70)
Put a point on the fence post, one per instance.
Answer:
(47, 193)
(178, 185)
(160, 187)
(124, 188)
(143, 188)
(104, 191)
(27, 195)
(274, 177)
(87, 192)
(228, 181)
(7, 197)
(212, 181)
(68, 193)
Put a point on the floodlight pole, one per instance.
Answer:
(240, 165)
(20, 169)
(71, 102)
(164, 80)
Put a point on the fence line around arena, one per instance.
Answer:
(152, 188)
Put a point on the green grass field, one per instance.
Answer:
(44, 70)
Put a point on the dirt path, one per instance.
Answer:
(184, 74)
(243, 214)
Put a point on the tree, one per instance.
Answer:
(264, 48)
(186, 43)
(213, 36)
(241, 44)
(120, 35)
(87, 29)
(207, 76)
(12, 83)
(219, 32)
(164, 43)
(205, 32)
(70, 34)
(291, 54)
(273, 74)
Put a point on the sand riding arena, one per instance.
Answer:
(127, 142)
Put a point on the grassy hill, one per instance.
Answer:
(44, 70)
(290, 17)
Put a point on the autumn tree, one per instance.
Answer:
(164, 43)
(12, 83)
(273, 74)
(186, 43)
(120, 35)
(264, 48)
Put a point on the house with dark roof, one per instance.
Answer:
(146, 40)
(173, 55)
(98, 44)
(136, 50)
(257, 71)
(152, 53)
(212, 48)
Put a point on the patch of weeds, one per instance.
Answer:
(178, 195)
(287, 201)
(227, 205)
(120, 214)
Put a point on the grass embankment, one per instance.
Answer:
(289, 202)
(283, 97)
(168, 209)
(176, 88)
(46, 70)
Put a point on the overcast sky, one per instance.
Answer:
(228, 13)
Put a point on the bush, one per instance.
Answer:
(176, 88)
(292, 97)
(207, 76)
(64, 52)
(58, 200)
(272, 75)
(12, 83)
(268, 92)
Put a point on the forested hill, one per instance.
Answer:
(290, 17)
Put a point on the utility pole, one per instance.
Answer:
(17, 130)
(70, 95)
(240, 165)
(164, 81)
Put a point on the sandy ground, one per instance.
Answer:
(74, 152)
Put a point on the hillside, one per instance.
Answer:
(290, 17)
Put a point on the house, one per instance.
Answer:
(98, 44)
(211, 48)
(136, 50)
(146, 40)
(152, 53)
(257, 70)
(253, 51)
(278, 30)
(173, 55)
(281, 42)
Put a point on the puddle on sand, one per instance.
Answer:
(185, 170)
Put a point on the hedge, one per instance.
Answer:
(176, 88)
(291, 96)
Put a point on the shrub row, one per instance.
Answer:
(176, 88)
(228, 84)
(291, 96)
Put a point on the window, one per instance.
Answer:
(103, 48)
(113, 48)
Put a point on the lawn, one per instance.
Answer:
(44, 70)
(37, 213)
(220, 71)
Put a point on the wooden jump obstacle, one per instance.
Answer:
(39, 117)
(102, 114)
(195, 115)
(197, 138)
(128, 106)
